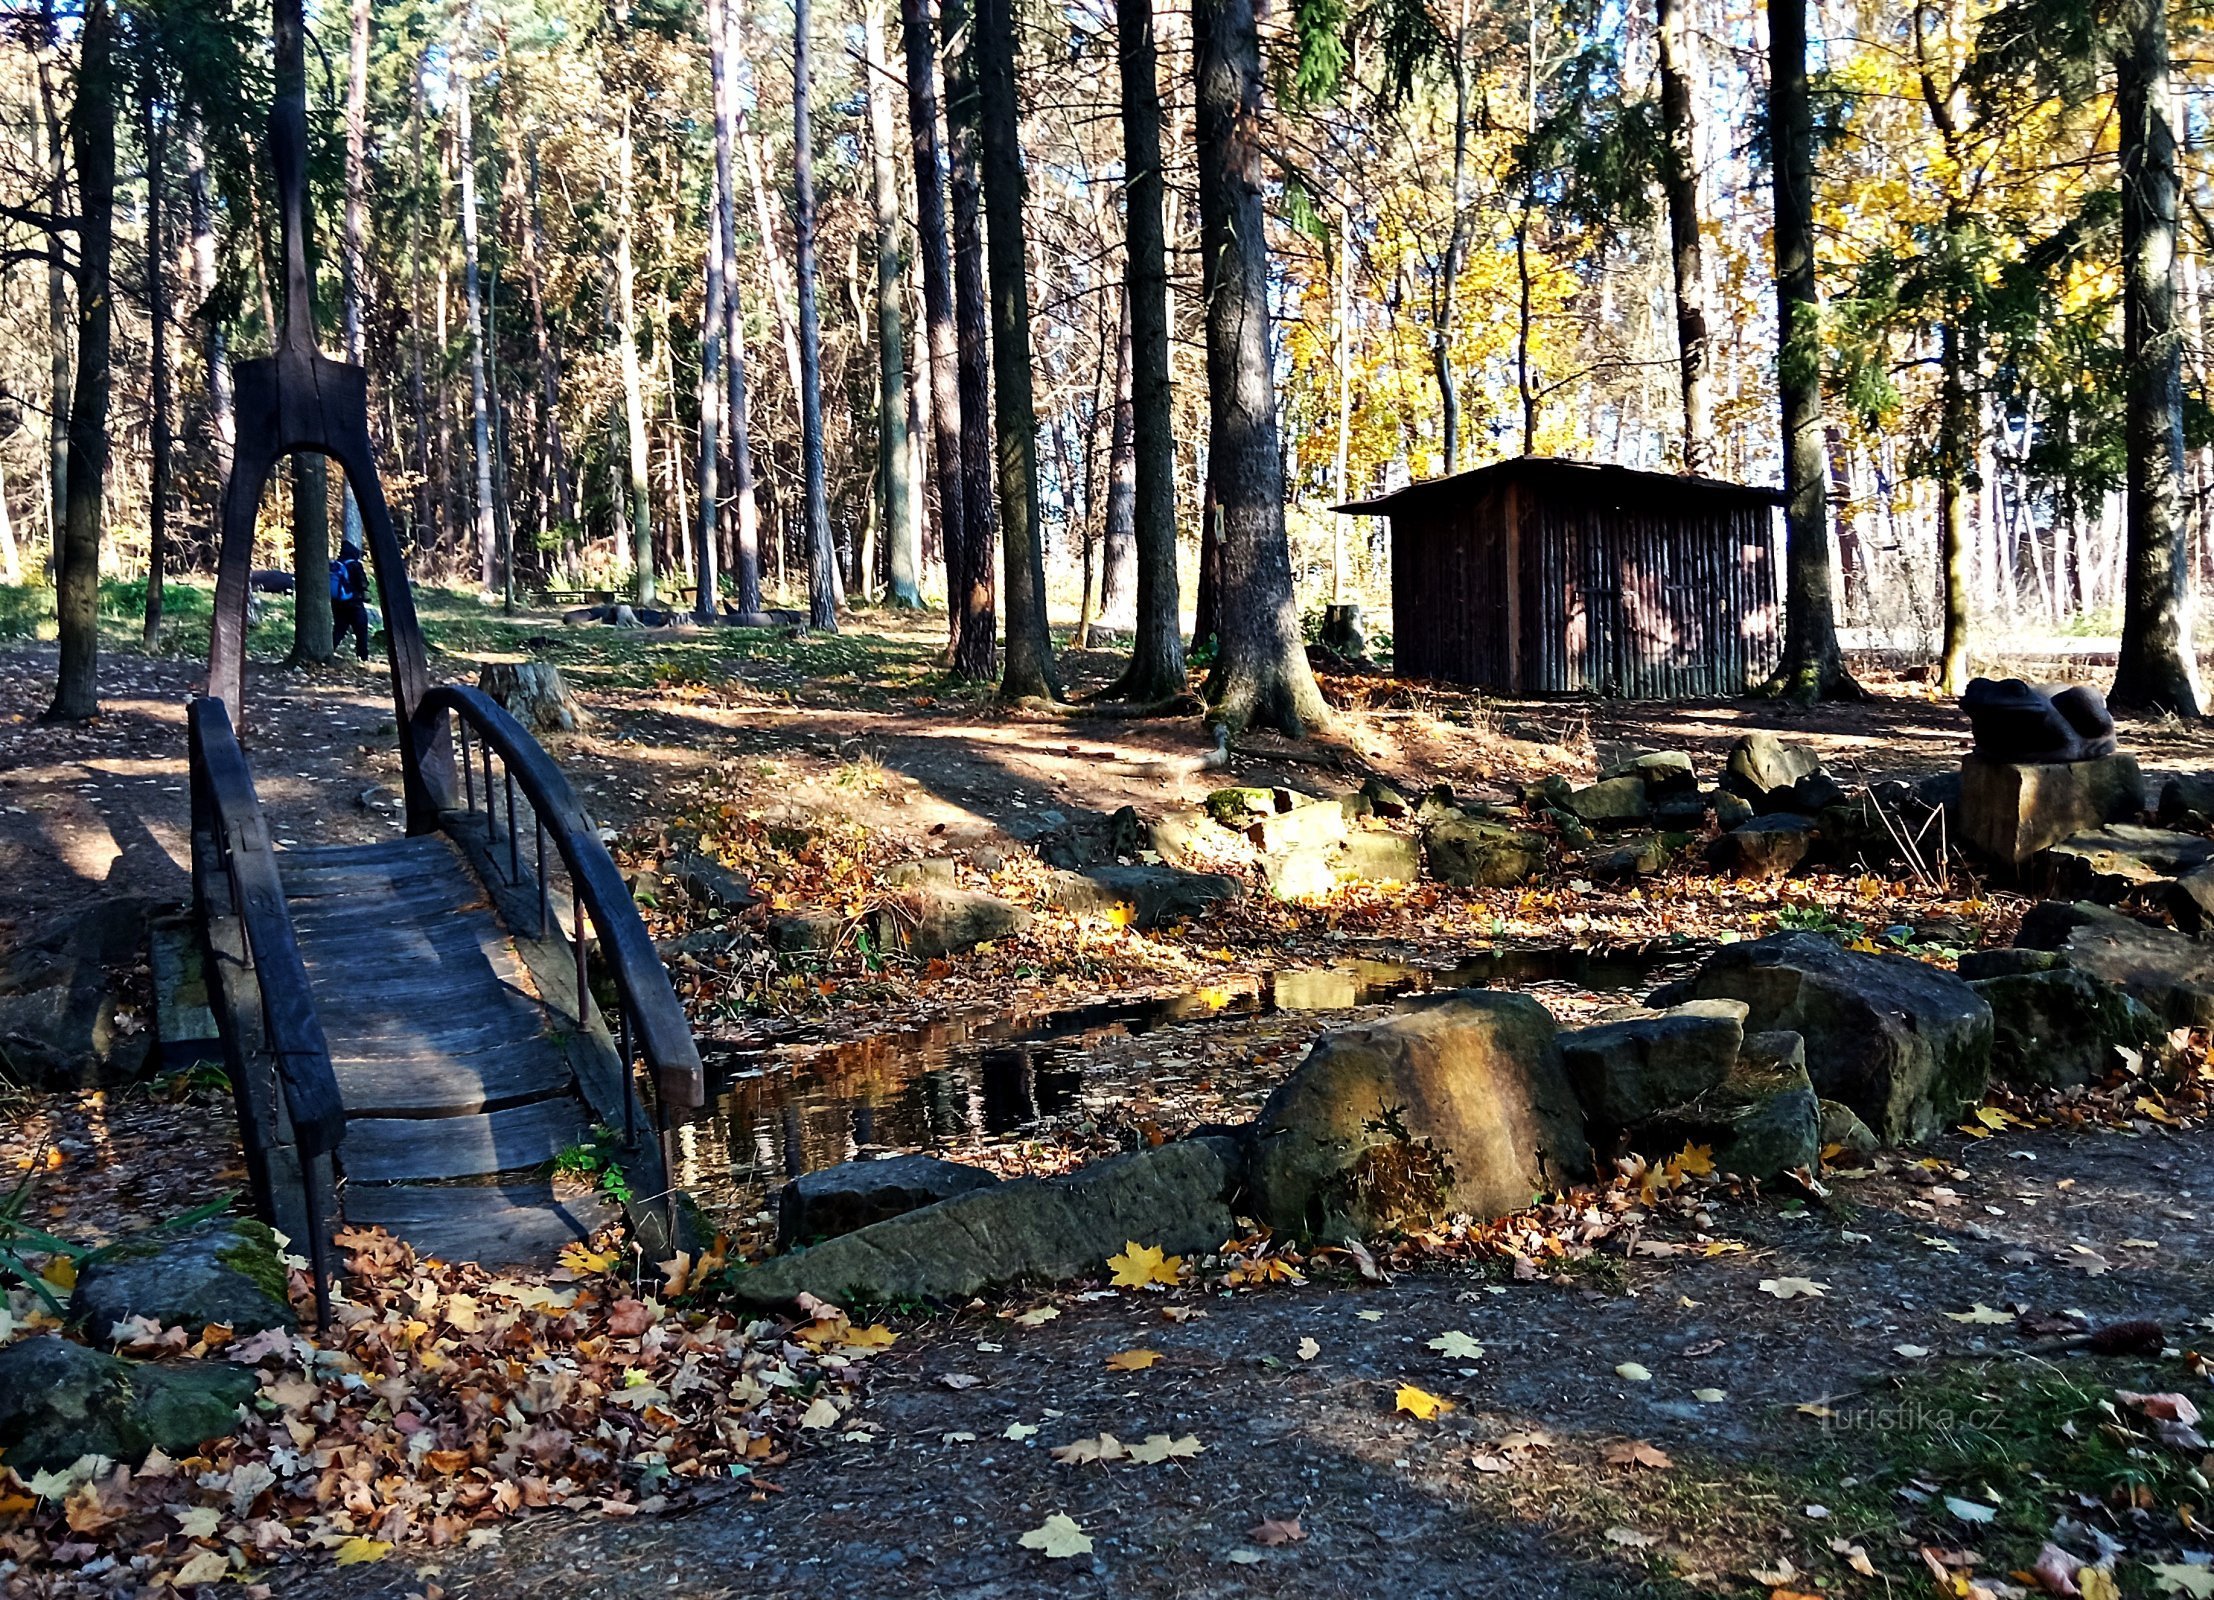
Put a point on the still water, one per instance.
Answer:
(979, 1080)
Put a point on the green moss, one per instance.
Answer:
(253, 1255)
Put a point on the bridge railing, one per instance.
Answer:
(232, 836)
(651, 1024)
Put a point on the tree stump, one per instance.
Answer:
(534, 694)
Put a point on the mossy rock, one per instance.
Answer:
(224, 1270)
(59, 1401)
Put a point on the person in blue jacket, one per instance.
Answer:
(350, 598)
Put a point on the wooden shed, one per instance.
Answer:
(1542, 576)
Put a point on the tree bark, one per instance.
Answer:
(311, 526)
(59, 331)
(938, 315)
(1260, 677)
(554, 456)
(1156, 670)
(472, 294)
(426, 527)
(822, 577)
(1456, 256)
(1813, 667)
(355, 219)
(1679, 174)
(1027, 672)
(714, 325)
(747, 547)
(1118, 571)
(77, 586)
(2155, 669)
(634, 387)
(895, 455)
(222, 416)
(1955, 450)
(154, 130)
(975, 653)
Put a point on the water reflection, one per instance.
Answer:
(968, 1082)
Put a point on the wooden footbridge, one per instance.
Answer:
(411, 1027)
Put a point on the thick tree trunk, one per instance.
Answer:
(895, 455)
(1261, 677)
(1812, 667)
(356, 214)
(1340, 479)
(714, 387)
(77, 597)
(1027, 673)
(1679, 173)
(822, 576)
(938, 315)
(1156, 669)
(2155, 670)
(1118, 573)
(311, 524)
(60, 332)
(472, 294)
(154, 131)
(746, 550)
(634, 387)
(976, 648)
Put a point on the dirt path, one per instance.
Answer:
(1512, 1493)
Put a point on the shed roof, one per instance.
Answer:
(1579, 477)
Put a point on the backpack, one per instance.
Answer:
(345, 586)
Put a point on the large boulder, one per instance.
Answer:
(224, 1270)
(2061, 1028)
(1623, 1072)
(1761, 764)
(1031, 1229)
(853, 1194)
(1374, 857)
(1662, 772)
(1473, 854)
(2050, 723)
(59, 1401)
(1766, 847)
(2010, 810)
(1143, 897)
(707, 882)
(2172, 975)
(2122, 858)
(1091, 838)
(1610, 803)
(1763, 1118)
(1314, 825)
(945, 921)
(1304, 874)
(1460, 1103)
(1906, 1045)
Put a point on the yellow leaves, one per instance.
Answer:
(1637, 1453)
(1141, 1266)
(61, 1272)
(1159, 1447)
(2096, 1583)
(1058, 1538)
(1420, 1404)
(213, 1566)
(874, 1337)
(1634, 1372)
(1693, 1161)
(1132, 1360)
(1980, 1313)
(359, 1551)
(1088, 1452)
(581, 1258)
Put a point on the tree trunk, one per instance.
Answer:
(154, 130)
(1339, 464)
(747, 551)
(2155, 670)
(1260, 677)
(976, 648)
(1027, 673)
(822, 577)
(426, 527)
(222, 418)
(555, 454)
(1812, 666)
(357, 196)
(938, 316)
(472, 294)
(1955, 454)
(895, 457)
(1156, 669)
(1119, 535)
(1456, 255)
(311, 524)
(634, 387)
(58, 330)
(77, 597)
(1679, 173)
(714, 324)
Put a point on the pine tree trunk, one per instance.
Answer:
(154, 131)
(1456, 258)
(822, 575)
(747, 547)
(714, 380)
(1679, 170)
(472, 294)
(77, 596)
(1955, 455)
(215, 352)
(2155, 670)
(59, 330)
(975, 653)
(895, 458)
(1119, 536)
(555, 454)
(1813, 667)
(356, 215)
(1027, 672)
(1156, 669)
(938, 316)
(1261, 677)
(311, 527)
(426, 526)
(634, 388)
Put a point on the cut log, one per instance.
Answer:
(534, 694)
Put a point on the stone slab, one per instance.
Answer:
(2011, 810)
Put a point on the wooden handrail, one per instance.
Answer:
(651, 1010)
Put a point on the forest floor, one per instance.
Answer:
(1911, 1425)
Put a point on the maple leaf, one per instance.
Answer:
(1693, 1161)
(1132, 1360)
(874, 1337)
(206, 1566)
(1637, 1453)
(2096, 1583)
(1142, 1265)
(1793, 1288)
(197, 1522)
(1159, 1447)
(1272, 1532)
(627, 1319)
(2183, 1579)
(1084, 1452)
(1457, 1346)
(1038, 1316)
(357, 1550)
(1058, 1538)
(821, 1413)
(579, 1257)
(1420, 1404)
(1980, 1313)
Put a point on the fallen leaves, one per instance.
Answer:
(1637, 1453)
(1142, 1266)
(1420, 1404)
(1455, 1345)
(1058, 1538)
(1635, 1372)
(1793, 1288)
(1982, 1314)
(2181, 1578)
(1132, 1360)
(357, 1551)
(1152, 1451)
(1272, 1532)
(1159, 1447)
